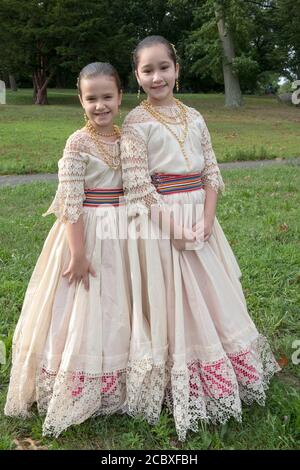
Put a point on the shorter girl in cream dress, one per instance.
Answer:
(70, 347)
(199, 350)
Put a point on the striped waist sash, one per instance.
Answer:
(98, 197)
(171, 184)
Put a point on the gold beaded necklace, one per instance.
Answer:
(113, 161)
(163, 119)
(116, 132)
(178, 118)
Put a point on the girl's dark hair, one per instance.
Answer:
(151, 41)
(98, 68)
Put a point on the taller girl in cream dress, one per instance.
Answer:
(71, 344)
(200, 352)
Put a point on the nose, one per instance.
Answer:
(156, 77)
(99, 105)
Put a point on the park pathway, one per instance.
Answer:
(13, 180)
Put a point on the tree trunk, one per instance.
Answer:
(41, 96)
(12, 82)
(40, 83)
(34, 90)
(233, 95)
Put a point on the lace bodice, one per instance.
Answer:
(81, 167)
(148, 147)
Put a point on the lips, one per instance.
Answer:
(102, 114)
(158, 87)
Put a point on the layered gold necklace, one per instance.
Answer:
(180, 119)
(112, 160)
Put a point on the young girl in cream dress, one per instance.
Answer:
(71, 344)
(199, 351)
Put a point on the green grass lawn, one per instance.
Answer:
(260, 216)
(32, 137)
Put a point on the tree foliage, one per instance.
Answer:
(49, 41)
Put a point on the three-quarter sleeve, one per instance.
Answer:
(68, 201)
(139, 191)
(211, 173)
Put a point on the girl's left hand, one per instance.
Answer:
(204, 230)
(208, 226)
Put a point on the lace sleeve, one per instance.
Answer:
(67, 203)
(139, 192)
(211, 173)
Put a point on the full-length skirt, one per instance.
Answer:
(194, 346)
(71, 346)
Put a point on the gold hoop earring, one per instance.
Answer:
(120, 114)
(139, 93)
(177, 85)
(85, 118)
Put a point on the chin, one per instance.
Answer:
(103, 122)
(159, 92)
(159, 96)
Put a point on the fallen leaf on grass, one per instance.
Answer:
(283, 360)
(283, 227)
(28, 444)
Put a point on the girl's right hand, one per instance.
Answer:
(79, 269)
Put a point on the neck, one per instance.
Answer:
(103, 133)
(168, 101)
(103, 129)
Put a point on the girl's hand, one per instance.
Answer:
(204, 230)
(208, 226)
(79, 269)
(188, 237)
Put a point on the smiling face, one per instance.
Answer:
(100, 98)
(156, 73)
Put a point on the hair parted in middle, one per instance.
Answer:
(151, 41)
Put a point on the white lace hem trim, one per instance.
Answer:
(200, 391)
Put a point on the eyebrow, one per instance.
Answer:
(161, 63)
(94, 96)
